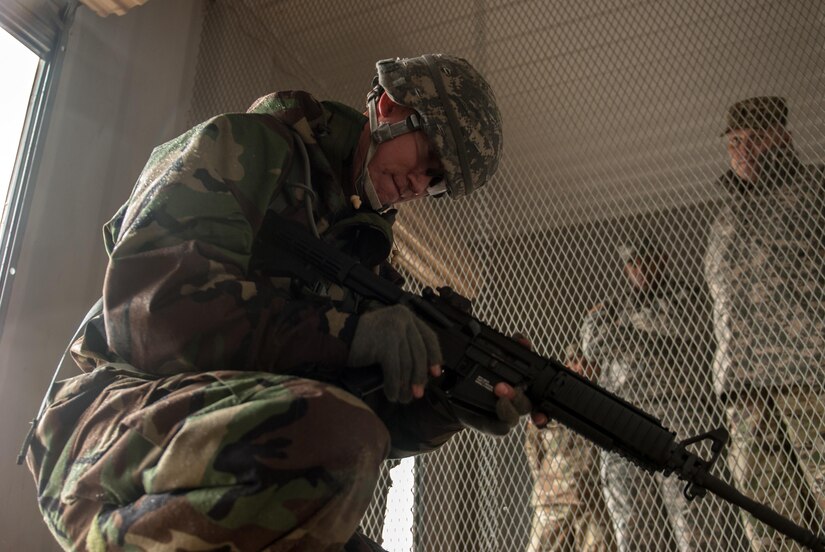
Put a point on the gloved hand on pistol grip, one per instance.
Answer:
(404, 346)
(511, 404)
(510, 409)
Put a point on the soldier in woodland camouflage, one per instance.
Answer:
(212, 413)
(568, 510)
(646, 344)
(764, 269)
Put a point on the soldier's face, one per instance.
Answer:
(402, 168)
(746, 146)
(642, 274)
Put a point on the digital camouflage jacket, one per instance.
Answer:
(764, 270)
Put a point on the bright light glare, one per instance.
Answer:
(397, 534)
(18, 66)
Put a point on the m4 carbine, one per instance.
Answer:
(477, 357)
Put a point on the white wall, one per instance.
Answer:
(125, 87)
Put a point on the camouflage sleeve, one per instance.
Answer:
(719, 235)
(179, 294)
(698, 325)
(420, 426)
(716, 269)
(593, 334)
(533, 449)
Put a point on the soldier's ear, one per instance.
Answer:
(386, 107)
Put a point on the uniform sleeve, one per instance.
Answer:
(534, 449)
(719, 237)
(421, 426)
(179, 294)
(594, 335)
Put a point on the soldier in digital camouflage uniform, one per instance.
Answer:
(211, 414)
(764, 268)
(652, 347)
(568, 510)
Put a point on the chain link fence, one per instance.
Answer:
(612, 113)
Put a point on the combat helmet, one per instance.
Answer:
(456, 108)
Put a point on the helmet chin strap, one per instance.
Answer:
(380, 133)
(367, 188)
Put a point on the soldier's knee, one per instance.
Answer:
(341, 429)
(281, 427)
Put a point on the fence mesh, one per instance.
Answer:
(612, 113)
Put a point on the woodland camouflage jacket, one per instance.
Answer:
(186, 288)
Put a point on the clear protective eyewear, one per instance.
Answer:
(438, 186)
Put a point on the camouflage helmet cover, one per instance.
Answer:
(639, 248)
(458, 112)
(758, 113)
